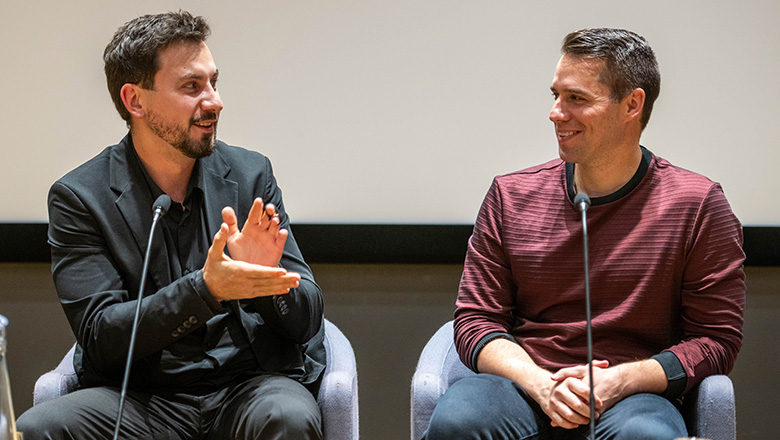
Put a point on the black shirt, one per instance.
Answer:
(218, 350)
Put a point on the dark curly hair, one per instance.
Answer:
(132, 55)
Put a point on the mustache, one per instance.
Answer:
(207, 116)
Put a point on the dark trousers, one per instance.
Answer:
(262, 407)
(493, 408)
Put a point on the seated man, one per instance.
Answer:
(666, 272)
(228, 347)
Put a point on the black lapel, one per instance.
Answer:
(134, 202)
(219, 190)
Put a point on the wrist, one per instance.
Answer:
(536, 381)
(211, 285)
(645, 376)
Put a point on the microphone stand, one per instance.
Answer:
(161, 206)
(583, 202)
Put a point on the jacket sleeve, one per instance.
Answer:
(296, 315)
(96, 270)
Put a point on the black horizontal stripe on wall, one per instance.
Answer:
(368, 243)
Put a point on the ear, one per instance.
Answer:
(130, 94)
(635, 102)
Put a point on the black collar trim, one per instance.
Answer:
(644, 165)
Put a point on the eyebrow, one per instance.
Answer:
(194, 75)
(573, 90)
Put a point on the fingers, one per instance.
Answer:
(581, 389)
(214, 259)
(262, 214)
(271, 222)
(566, 418)
(260, 240)
(278, 285)
(255, 212)
(229, 218)
(569, 408)
(251, 281)
(578, 383)
(281, 238)
(256, 272)
(578, 371)
(220, 240)
(270, 212)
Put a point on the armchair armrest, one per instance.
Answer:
(709, 409)
(338, 397)
(57, 382)
(439, 367)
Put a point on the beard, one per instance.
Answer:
(178, 136)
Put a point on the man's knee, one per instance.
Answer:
(295, 420)
(284, 410)
(645, 428)
(645, 416)
(482, 406)
(455, 422)
(44, 421)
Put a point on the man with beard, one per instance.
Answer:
(229, 342)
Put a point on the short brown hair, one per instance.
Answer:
(629, 62)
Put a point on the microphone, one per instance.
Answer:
(582, 201)
(160, 207)
(163, 204)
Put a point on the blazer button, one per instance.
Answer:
(282, 304)
(175, 334)
(193, 319)
(186, 324)
(181, 329)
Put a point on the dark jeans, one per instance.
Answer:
(262, 407)
(491, 408)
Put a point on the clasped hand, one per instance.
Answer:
(256, 251)
(567, 400)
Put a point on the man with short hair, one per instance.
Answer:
(229, 346)
(666, 272)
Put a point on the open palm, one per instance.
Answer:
(261, 241)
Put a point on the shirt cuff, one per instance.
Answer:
(676, 379)
(200, 286)
(483, 342)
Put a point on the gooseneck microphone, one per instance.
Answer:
(160, 207)
(582, 201)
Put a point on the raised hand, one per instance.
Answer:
(227, 278)
(261, 241)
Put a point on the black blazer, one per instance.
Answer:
(99, 220)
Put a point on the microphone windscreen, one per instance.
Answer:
(581, 198)
(163, 203)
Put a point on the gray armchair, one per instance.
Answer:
(338, 396)
(709, 410)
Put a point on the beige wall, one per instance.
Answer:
(343, 94)
(388, 312)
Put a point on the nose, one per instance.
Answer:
(211, 99)
(556, 112)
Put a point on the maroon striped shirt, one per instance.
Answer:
(666, 272)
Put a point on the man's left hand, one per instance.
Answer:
(607, 385)
(261, 241)
(613, 384)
